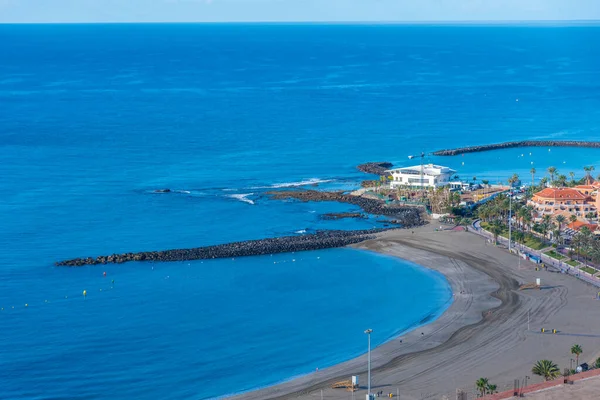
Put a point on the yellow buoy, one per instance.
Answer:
(84, 293)
(26, 305)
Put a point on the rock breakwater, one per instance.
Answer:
(334, 216)
(523, 143)
(377, 168)
(407, 216)
(284, 244)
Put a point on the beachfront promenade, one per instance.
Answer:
(557, 265)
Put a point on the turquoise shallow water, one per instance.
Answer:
(96, 117)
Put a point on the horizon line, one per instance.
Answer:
(324, 22)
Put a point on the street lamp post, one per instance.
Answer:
(368, 332)
(509, 219)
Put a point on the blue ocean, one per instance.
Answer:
(95, 118)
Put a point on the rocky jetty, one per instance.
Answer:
(341, 215)
(407, 216)
(523, 143)
(285, 244)
(377, 168)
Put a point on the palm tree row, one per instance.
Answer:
(561, 180)
(587, 245)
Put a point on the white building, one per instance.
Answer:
(433, 176)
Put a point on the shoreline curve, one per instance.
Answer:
(474, 293)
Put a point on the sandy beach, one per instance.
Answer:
(484, 333)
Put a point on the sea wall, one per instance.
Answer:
(407, 216)
(285, 244)
(523, 143)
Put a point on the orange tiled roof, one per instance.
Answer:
(577, 225)
(561, 194)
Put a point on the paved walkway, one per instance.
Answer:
(559, 382)
(557, 265)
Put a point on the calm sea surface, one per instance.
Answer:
(93, 118)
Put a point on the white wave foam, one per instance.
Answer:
(242, 197)
(301, 231)
(182, 191)
(307, 182)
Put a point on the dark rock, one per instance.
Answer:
(377, 168)
(167, 190)
(523, 143)
(285, 244)
(407, 216)
(341, 215)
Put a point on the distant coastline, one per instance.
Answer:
(521, 143)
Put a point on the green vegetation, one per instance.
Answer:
(527, 239)
(484, 387)
(546, 369)
(481, 384)
(589, 270)
(597, 363)
(555, 255)
(572, 263)
(576, 350)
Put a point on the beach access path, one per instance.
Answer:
(484, 333)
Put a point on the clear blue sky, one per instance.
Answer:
(294, 10)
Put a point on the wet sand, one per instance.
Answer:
(482, 334)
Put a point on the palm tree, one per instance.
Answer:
(577, 242)
(546, 369)
(576, 350)
(552, 171)
(546, 224)
(556, 237)
(513, 179)
(561, 220)
(572, 175)
(588, 173)
(492, 389)
(561, 180)
(532, 171)
(597, 363)
(573, 218)
(543, 182)
(482, 385)
(522, 214)
(496, 230)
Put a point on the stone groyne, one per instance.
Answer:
(341, 215)
(377, 168)
(284, 244)
(523, 143)
(407, 216)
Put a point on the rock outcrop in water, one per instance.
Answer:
(285, 244)
(341, 215)
(523, 143)
(407, 216)
(377, 168)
